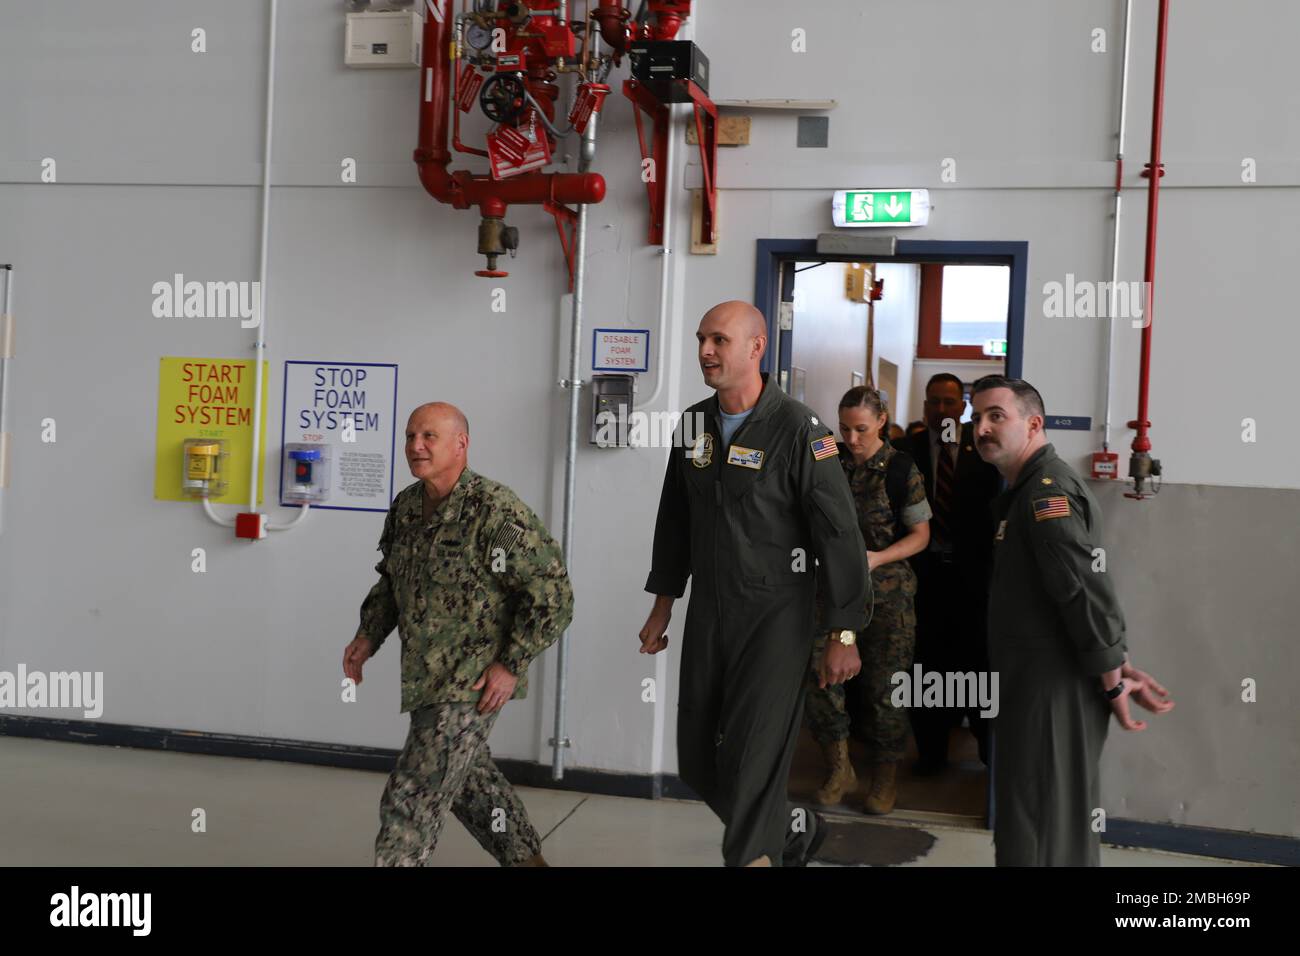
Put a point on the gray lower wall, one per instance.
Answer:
(1207, 578)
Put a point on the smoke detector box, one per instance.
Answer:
(382, 39)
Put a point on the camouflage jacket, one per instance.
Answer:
(481, 581)
(877, 520)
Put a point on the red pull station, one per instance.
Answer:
(1105, 464)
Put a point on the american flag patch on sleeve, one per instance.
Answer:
(506, 538)
(1057, 506)
(824, 447)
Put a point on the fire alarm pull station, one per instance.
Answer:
(611, 404)
(1105, 464)
(306, 475)
(203, 475)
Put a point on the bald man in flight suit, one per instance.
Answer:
(748, 502)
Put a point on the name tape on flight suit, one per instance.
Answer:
(745, 457)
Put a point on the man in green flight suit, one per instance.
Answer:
(751, 500)
(1056, 640)
(477, 588)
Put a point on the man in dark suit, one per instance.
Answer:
(953, 572)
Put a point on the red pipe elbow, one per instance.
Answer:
(613, 25)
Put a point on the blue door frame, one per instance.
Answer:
(767, 292)
(773, 252)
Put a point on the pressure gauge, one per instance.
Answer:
(478, 36)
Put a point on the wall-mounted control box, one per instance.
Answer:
(611, 406)
(389, 38)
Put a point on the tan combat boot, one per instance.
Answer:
(880, 799)
(840, 779)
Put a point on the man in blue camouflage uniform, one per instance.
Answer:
(476, 588)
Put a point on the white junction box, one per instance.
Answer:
(382, 39)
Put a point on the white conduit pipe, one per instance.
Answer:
(560, 740)
(230, 522)
(1119, 201)
(208, 510)
(259, 347)
(255, 475)
(7, 336)
(302, 513)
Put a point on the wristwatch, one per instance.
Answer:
(1114, 691)
(846, 637)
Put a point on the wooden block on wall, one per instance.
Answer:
(854, 282)
(732, 131)
(697, 215)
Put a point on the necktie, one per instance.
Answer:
(943, 484)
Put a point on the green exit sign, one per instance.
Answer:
(881, 207)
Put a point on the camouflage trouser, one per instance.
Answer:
(446, 765)
(885, 647)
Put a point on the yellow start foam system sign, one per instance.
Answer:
(206, 398)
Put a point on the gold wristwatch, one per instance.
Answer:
(847, 638)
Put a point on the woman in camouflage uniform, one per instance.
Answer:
(893, 531)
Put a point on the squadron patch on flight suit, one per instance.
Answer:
(701, 453)
(1047, 481)
(745, 457)
(505, 539)
(824, 447)
(1057, 506)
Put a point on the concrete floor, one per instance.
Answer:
(67, 804)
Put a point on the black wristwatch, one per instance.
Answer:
(1114, 691)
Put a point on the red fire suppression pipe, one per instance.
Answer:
(669, 15)
(667, 28)
(614, 30)
(1141, 464)
(462, 189)
(666, 19)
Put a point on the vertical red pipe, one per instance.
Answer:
(435, 92)
(1141, 442)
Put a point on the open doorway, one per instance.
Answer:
(893, 323)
